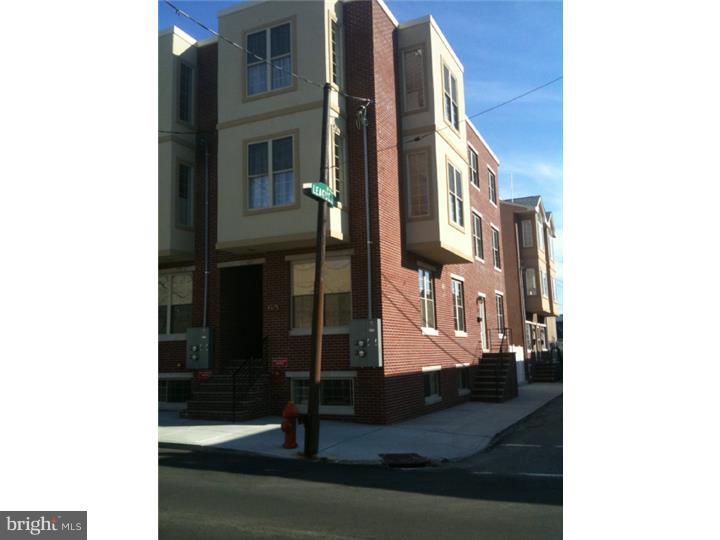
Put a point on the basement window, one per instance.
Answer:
(463, 374)
(170, 391)
(337, 395)
(431, 384)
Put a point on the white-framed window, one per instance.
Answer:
(335, 56)
(450, 92)
(185, 93)
(339, 165)
(477, 236)
(458, 300)
(174, 390)
(338, 292)
(539, 229)
(431, 385)
(553, 289)
(184, 198)
(337, 393)
(414, 78)
(492, 187)
(427, 298)
(463, 379)
(551, 247)
(496, 248)
(418, 183)
(271, 175)
(543, 283)
(455, 196)
(527, 235)
(530, 282)
(261, 76)
(174, 302)
(474, 171)
(500, 311)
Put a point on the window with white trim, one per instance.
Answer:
(431, 385)
(455, 196)
(530, 282)
(338, 293)
(427, 298)
(527, 235)
(539, 229)
(185, 93)
(418, 183)
(551, 247)
(339, 165)
(335, 51)
(477, 236)
(261, 75)
(492, 187)
(474, 171)
(174, 303)
(414, 78)
(500, 311)
(553, 289)
(463, 374)
(184, 199)
(174, 391)
(496, 247)
(450, 92)
(458, 300)
(543, 283)
(271, 175)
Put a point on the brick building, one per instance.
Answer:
(529, 255)
(248, 135)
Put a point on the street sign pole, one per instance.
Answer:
(312, 428)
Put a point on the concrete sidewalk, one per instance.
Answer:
(452, 434)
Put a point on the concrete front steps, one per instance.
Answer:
(495, 378)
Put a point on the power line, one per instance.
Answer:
(182, 13)
(421, 137)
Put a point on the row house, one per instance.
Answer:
(529, 251)
(238, 139)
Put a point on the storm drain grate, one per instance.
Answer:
(404, 460)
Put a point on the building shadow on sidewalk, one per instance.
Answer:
(435, 481)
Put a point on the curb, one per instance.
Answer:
(512, 427)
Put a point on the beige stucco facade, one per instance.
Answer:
(435, 235)
(175, 242)
(290, 111)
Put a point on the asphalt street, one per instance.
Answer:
(513, 490)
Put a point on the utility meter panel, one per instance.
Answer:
(199, 348)
(366, 343)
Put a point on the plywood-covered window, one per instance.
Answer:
(418, 183)
(338, 293)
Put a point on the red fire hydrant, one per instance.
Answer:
(289, 426)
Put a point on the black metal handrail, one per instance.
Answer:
(504, 332)
(250, 365)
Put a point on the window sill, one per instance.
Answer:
(494, 204)
(460, 333)
(340, 410)
(430, 400)
(463, 391)
(478, 259)
(171, 337)
(497, 269)
(429, 331)
(327, 331)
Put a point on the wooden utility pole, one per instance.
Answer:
(312, 427)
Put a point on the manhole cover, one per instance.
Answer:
(404, 460)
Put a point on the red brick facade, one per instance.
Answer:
(395, 391)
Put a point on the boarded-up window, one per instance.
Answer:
(419, 184)
(413, 62)
(527, 239)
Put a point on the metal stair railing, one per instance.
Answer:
(255, 367)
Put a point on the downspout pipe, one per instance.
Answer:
(206, 271)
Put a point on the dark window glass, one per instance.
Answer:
(282, 152)
(258, 159)
(280, 40)
(256, 46)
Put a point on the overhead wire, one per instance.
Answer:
(202, 25)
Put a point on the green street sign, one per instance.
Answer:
(320, 191)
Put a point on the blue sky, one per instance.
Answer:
(507, 48)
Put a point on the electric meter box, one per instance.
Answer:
(199, 348)
(366, 343)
